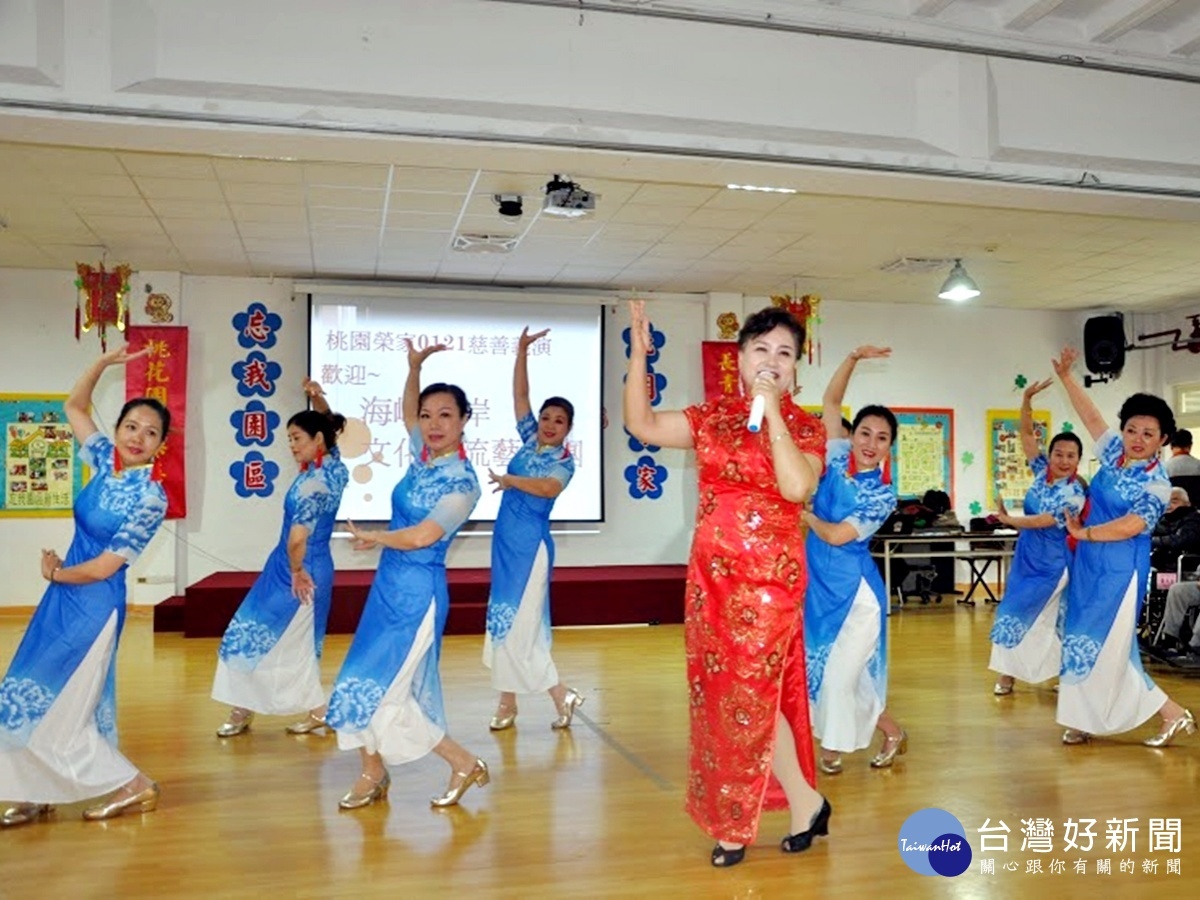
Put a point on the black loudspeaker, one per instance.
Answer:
(1104, 344)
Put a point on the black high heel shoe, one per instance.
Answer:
(801, 841)
(723, 859)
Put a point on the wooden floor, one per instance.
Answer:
(597, 811)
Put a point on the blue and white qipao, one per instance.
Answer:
(269, 658)
(1103, 688)
(388, 695)
(1025, 639)
(58, 734)
(845, 607)
(517, 645)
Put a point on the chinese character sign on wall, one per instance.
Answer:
(162, 375)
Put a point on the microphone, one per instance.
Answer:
(757, 407)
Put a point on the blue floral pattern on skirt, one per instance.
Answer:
(22, 702)
(354, 703)
(1008, 631)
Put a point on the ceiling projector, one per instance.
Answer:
(566, 198)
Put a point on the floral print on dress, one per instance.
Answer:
(354, 703)
(1055, 498)
(1008, 631)
(875, 500)
(316, 493)
(1079, 653)
(247, 639)
(23, 702)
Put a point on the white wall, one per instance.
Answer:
(961, 357)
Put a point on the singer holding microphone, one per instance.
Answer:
(746, 577)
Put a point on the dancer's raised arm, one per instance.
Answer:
(79, 402)
(665, 429)
(412, 385)
(835, 391)
(1091, 417)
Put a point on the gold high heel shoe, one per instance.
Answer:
(885, 757)
(1072, 737)
(24, 813)
(830, 766)
(478, 775)
(232, 727)
(1001, 689)
(311, 724)
(500, 723)
(572, 700)
(1186, 722)
(378, 791)
(143, 801)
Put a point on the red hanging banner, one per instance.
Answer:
(162, 375)
(720, 361)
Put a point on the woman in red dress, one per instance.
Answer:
(742, 622)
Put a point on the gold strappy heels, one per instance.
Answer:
(1072, 737)
(311, 724)
(378, 791)
(830, 765)
(503, 722)
(24, 813)
(892, 747)
(144, 801)
(235, 726)
(572, 700)
(478, 775)
(1186, 722)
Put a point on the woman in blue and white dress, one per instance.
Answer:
(1102, 687)
(269, 660)
(387, 699)
(845, 607)
(58, 735)
(1026, 636)
(517, 644)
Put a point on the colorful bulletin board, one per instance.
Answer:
(818, 409)
(42, 474)
(1009, 474)
(923, 454)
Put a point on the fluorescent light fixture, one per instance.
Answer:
(958, 286)
(765, 190)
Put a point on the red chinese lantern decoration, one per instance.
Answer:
(101, 299)
(807, 310)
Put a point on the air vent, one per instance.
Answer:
(484, 243)
(915, 265)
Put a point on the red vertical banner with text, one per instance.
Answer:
(720, 361)
(162, 375)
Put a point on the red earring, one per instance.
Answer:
(886, 477)
(320, 456)
(158, 472)
(117, 467)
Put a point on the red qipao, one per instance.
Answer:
(743, 628)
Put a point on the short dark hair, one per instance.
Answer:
(1070, 437)
(164, 414)
(767, 320)
(881, 412)
(460, 397)
(1150, 405)
(560, 403)
(1182, 439)
(312, 423)
(847, 426)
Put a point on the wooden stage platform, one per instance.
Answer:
(597, 812)
(581, 595)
